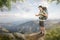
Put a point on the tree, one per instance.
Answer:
(7, 3)
(57, 1)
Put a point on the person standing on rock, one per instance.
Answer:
(43, 14)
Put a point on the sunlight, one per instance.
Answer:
(44, 3)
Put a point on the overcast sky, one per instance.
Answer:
(28, 9)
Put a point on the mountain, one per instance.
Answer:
(21, 30)
(28, 27)
(33, 26)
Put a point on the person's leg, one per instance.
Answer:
(42, 28)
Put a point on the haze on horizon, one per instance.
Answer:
(28, 9)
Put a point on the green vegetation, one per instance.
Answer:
(57, 1)
(4, 37)
(7, 3)
(53, 33)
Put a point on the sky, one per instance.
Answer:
(27, 10)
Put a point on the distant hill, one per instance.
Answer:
(33, 26)
(52, 28)
(28, 27)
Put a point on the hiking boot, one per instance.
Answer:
(42, 32)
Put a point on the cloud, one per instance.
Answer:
(28, 9)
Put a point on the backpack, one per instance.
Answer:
(44, 17)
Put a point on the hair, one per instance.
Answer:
(44, 8)
(40, 6)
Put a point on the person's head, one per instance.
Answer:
(40, 7)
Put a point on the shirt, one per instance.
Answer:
(42, 17)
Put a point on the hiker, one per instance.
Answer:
(42, 17)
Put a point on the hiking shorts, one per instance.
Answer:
(41, 23)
